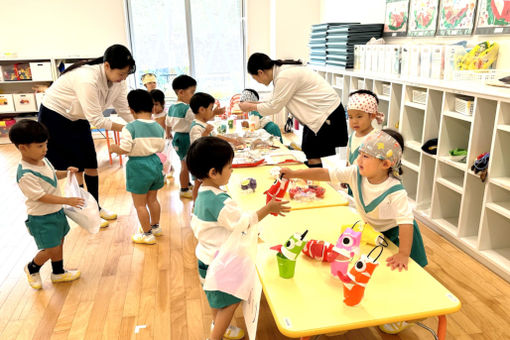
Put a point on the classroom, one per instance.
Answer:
(241, 169)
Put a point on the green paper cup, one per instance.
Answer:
(286, 267)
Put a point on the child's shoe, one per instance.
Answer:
(107, 215)
(68, 275)
(186, 194)
(395, 327)
(34, 280)
(143, 238)
(232, 332)
(104, 223)
(156, 230)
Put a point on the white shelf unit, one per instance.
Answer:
(448, 196)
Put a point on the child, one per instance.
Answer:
(249, 95)
(149, 80)
(215, 216)
(141, 140)
(202, 106)
(46, 221)
(158, 112)
(179, 120)
(381, 200)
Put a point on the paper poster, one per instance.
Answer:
(493, 17)
(395, 22)
(423, 18)
(456, 17)
(251, 309)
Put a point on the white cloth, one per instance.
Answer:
(84, 93)
(392, 211)
(305, 94)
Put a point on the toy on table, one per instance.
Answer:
(319, 250)
(309, 192)
(277, 190)
(249, 184)
(222, 128)
(288, 253)
(358, 277)
(346, 248)
(480, 165)
(368, 235)
(230, 123)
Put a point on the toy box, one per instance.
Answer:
(24, 102)
(16, 72)
(6, 103)
(41, 71)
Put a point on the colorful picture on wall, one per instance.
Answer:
(456, 17)
(397, 13)
(493, 17)
(423, 18)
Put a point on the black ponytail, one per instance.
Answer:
(118, 56)
(260, 61)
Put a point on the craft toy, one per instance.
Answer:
(277, 190)
(318, 250)
(249, 184)
(346, 248)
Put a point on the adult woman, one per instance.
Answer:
(75, 101)
(308, 97)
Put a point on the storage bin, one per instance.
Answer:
(5, 125)
(464, 105)
(24, 102)
(15, 72)
(386, 89)
(41, 71)
(419, 97)
(6, 103)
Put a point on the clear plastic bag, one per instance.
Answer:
(86, 217)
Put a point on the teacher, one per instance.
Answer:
(74, 102)
(308, 97)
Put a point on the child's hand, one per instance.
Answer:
(219, 111)
(73, 169)
(399, 261)
(208, 129)
(237, 141)
(114, 148)
(76, 202)
(278, 207)
(287, 173)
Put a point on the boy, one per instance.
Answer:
(179, 120)
(249, 95)
(215, 217)
(202, 106)
(149, 80)
(46, 221)
(141, 140)
(158, 112)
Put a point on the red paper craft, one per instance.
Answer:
(319, 250)
(277, 190)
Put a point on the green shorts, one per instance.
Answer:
(217, 299)
(417, 250)
(144, 174)
(48, 230)
(274, 130)
(181, 143)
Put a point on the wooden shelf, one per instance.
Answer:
(453, 183)
(448, 224)
(413, 145)
(503, 182)
(383, 97)
(470, 241)
(337, 87)
(502, 208)
(416, 105)
(458, 116)
(505, 128)
(410, 165)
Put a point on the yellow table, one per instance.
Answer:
(311, 303)
(255, 200)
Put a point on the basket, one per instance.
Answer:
(464, 105)
(361, 84)
(420, 97)
(386, 89)
(479, 75)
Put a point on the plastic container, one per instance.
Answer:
(286, 267)
(24, 102)
(464, 105)
(6, 103)
(419, 97)
(41, 71)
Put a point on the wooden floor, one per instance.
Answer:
(124, 286)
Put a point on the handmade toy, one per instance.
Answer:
(277, 190)
(230, 123)
(249, 184)
(458, 155)
(288, 253)
(319, 250)
(222, 128)
(346, 248)
(308, 192)
(358, 277)
(368, 234)
(480, 165)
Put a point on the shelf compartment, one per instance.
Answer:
(416, 97)
(498, 200)
(410, 181)
(483, 128)
(450, 176)
(454, 134)
(495, 233)
(416, 105)
(412, 124)
(412, 156)
(499, 167)
(425, 178)
(504, 114)
(446, 207)
(457, 115)
(394, 106)
(472, 203)
(433, 115)
(449, 161)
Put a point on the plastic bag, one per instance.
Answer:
(233, 269)
(86, 217)
(165, 157)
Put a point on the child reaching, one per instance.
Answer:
(141, 140)
(158, 112)
(46, 220)
(215, 217)
(249, 95)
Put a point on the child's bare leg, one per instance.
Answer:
(140, 202)
(154, 207)
(222, 321)
(195, 188)
(55, 254)
(184, 175)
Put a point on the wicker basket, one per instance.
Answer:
(420, 97)
(464, 105)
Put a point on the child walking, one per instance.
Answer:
(249, 95)
(215, 217)
(46, 220)
(141, 140)
(381, 200)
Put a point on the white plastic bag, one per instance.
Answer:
(86, 217)
(233, 269)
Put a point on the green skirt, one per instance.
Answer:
(217, 299)
(417, 250)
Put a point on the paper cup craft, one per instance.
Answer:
(347, 247)
(249, 184)
(277, 190)
(288, 253)
(368, 235)
(319, 250)
(230, 123)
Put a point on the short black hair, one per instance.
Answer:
(365, 92)
(254, 92)
(400, 139)
(28, 131)
(200, 99)
(183, 82)
(140, 101)
(158, 96)
(208, 153)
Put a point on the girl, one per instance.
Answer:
(249, 95)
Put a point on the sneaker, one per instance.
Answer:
(394, 328)
(68, 275)
(143, 238)
(34, 280)
(186, 194)
(107, 215)
(156, 231)
(190, 186)
(104, 223)
(232, 332)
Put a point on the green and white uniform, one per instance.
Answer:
(197, 129)
(46, 222)
(268, 125)
(142, 139)
(353, 150)
(179, 118)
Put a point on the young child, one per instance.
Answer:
(381, 200)
(215, 216)
(179, 119)
(158, 111)
(46, 221)
(249, 95)
(141, 140)
(202, 106)
(149, 80)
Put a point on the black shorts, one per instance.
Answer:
(70, 142)
(332, 134)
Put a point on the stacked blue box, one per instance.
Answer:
(318, 41)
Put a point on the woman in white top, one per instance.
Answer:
(75, 102)
(308, 97)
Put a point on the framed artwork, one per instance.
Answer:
(423, 18)
(456, 17)
(493, 17)
(397, 14)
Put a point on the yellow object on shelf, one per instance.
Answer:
(482, 56)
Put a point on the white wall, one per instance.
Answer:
(45, 28)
